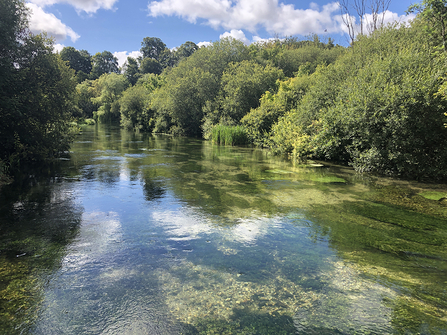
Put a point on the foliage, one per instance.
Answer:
(376, 108)
(36, 92)
(80, 61)
(150, 65)
(103, 63)
(434, 12)
(131, 70)
(83, 98)
(152, 47)
(196, 80)
(135, 104)
(243, 84)
(186, 50)
(259, 121)
(106, 92)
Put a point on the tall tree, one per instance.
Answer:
(36, 91)
(131, 70)
(77, 60)
(150, 65)
(104, 62)
(152, 47)
(186, 50)
(80, 61)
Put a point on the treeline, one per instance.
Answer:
(189, 90)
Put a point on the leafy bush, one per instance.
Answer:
(378, 108)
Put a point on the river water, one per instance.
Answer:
(140, 234)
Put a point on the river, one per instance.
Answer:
(140, 234)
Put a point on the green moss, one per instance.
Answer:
(433, 195)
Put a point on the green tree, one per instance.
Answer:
(150, 65)
(186, 50)
(434, 12)
(107, 90)
(103, 63)
(193, 84)
(152, 47)
(131, 70)
(80, 61)
(243, 84)
(36, 91)
(135, 108)
(84, 95)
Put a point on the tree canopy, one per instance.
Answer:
(36, 92)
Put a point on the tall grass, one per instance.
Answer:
(229, 135)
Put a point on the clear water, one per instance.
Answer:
(142, 234)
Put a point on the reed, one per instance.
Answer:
(229, 135)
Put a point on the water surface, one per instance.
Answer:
(141, 234)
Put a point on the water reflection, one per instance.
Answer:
(177, 236)
(39, 217)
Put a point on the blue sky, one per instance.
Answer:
(119, 26)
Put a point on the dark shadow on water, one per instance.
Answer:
(38, 219)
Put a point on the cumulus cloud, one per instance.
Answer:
(251, 15)
(236, 34)
(40, 21)
(88, 6)
(204, 44)
(122, 56)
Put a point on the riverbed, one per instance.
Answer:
(134, 233)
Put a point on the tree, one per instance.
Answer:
(135, 109)
(107, 90)
(131, 70)
(192, 84)
(186, 50)
(80, 61)
(152, 47)
(352, 10)
(36, 91)
(243, 84)
(150, 65)
(104, 62)
(435, 13)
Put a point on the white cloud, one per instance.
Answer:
(251, 15)
(88, 6)
(236, 34)
(122, 56)
(40, 21)
(204, 44)
(58, 47)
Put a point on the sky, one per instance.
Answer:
(119, 26)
